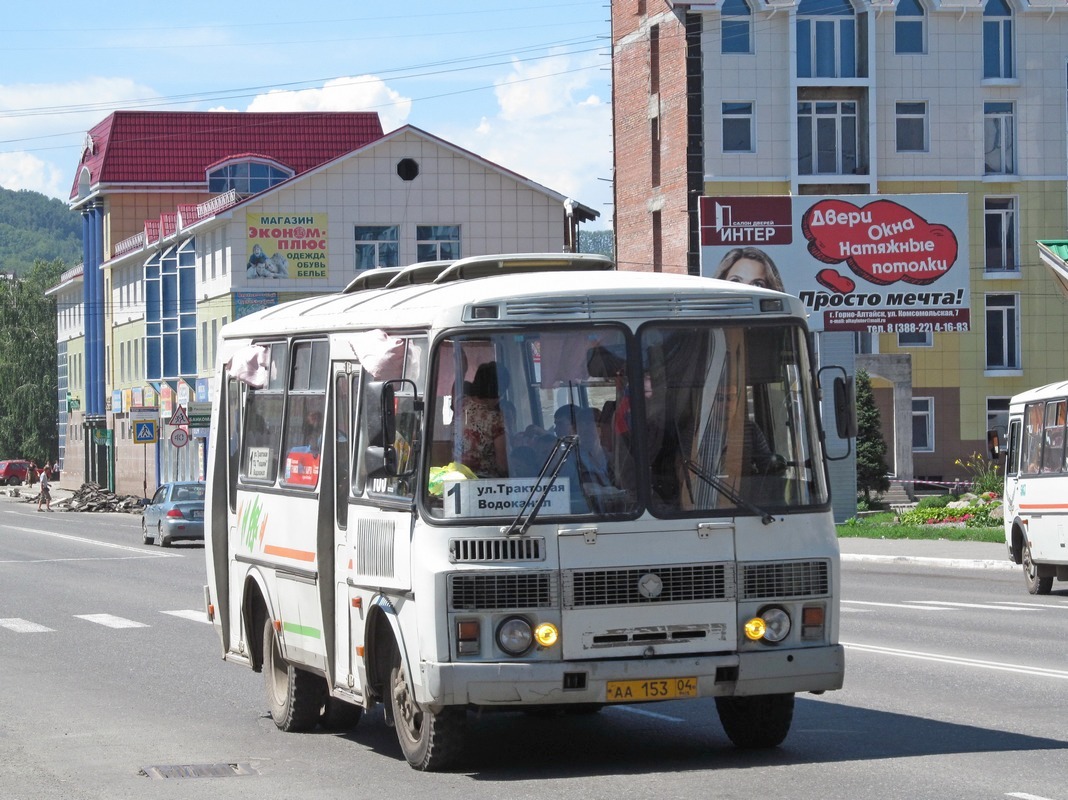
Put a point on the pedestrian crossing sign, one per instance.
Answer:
(146, 432)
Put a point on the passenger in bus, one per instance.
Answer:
(592, 461)
(484, 447)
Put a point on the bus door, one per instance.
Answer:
(345, 389)
(1012, 470)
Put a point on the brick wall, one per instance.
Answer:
(634, 108)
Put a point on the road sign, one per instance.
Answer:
(179, 417)
(146, 432)
(179, 437)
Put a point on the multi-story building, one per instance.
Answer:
(195, 219)
(958, 106)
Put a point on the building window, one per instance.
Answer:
(999, 157)
(654, 151)
(171, 313)
(915, 339)
(864, 343)
(377, 246)
(999, 235)
(912, 127)
(437, 242)
(246, 177)
(736, 27)
(1003, 331)
(923, 424)
(909, 28)
(826, 39)
(654, 59)
(997, 40)
(737, 128)
(997, 417)
(827, 137)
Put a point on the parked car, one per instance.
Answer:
(17, 470)
(175, 512)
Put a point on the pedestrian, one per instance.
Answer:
(45, 497)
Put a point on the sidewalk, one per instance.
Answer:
(928, 552)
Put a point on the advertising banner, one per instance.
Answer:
(286, 246)
(870, 263)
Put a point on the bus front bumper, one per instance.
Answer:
(813, 669)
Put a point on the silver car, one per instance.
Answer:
(176, 511)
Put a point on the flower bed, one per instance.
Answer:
(972, 510)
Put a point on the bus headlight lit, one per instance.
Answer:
(546, 634)
(514, 636)
(772, 625)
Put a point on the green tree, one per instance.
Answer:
(28, 393)
(871, 446)
(36, 227)
(599, 242)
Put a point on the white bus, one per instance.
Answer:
(523, 483)
(1036, 486)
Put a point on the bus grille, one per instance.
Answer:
(677, 584)
(374, 548)
(783, 579)
(464, 551)
(501, 591)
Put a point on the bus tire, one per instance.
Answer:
(337, 715)
(1035, 584)
(756, 722)
(294, 696)
(430, 740)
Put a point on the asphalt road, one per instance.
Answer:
(109, 673)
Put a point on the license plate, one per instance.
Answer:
(651, 689)
(194, 514)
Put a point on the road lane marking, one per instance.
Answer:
(987, 606)
(24, 626)
(141, 551)
(960, 661)
(642, 712)
(1026, 796)
(910, 606)
(111, 621)
(189, 613)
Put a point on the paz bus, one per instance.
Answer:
(523, 483)
(1036, 500)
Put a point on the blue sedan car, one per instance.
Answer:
(175, 512)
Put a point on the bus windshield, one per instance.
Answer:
(684, 419)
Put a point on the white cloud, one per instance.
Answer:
(553, 128)
(42, 127)
(359, 93)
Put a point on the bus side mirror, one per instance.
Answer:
(993, 444)
(845, 408)
(386, 453)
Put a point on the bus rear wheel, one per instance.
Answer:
(294, 696)
(756, 722)
(430, 740)
(1035, 584)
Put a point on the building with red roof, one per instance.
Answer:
(193, 219)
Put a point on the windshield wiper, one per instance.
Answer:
(554, 462)
(728, 491)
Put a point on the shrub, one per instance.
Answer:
(934, 501)
(986, 475)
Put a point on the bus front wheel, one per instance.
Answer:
(1035, 584)
(294, 696)
(758, 721)
(430, 740)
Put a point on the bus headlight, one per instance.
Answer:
(514, 636)
(772, 625)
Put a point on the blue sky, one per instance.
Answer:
(524, 83)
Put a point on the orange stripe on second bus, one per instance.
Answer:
(1044, 506)
(289, 552)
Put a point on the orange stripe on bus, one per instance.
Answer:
(289, 552)
(1048, 506)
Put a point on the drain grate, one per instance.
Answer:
(169, 771)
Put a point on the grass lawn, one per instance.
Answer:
(883, 526)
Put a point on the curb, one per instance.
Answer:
(949, 563)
